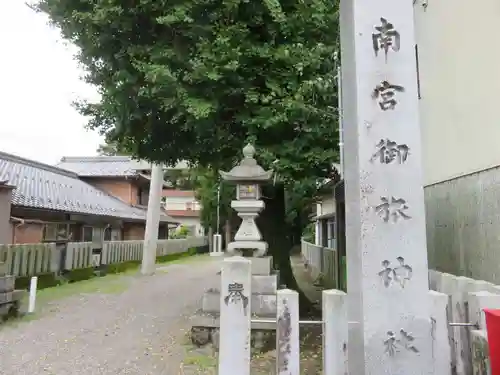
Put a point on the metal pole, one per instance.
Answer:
(152, 221)
(339, 111)
(218, 208)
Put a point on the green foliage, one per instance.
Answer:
(180, 179)
(207, 183)
(193, 80)
(308, 233)
(181, 232)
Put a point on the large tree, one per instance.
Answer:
(194, 80)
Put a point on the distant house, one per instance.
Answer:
(184, 208)
(326, 230)
(39, 202)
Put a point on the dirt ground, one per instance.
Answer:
(203, 361)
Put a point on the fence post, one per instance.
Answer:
(478, 302)
(235, 315)
(335, 332)
(445, 284)
(287, 333)
(441, 349)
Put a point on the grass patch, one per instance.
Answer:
(73, 276)
(199, 360)
(85, 281)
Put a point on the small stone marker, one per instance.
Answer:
(235, 315)
(441, 350)
(335, 332)
(287, 333)
(385, 214)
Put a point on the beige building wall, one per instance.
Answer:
(459, 68)
(459, 65)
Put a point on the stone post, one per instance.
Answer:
(441, 346)
(335, 331)
(235, 315)
(385, 214)
(287, 333)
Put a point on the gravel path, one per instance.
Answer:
(139, 331)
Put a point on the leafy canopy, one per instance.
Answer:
(196, 79)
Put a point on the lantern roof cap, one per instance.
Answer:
(247, 170)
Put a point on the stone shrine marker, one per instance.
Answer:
(385, 219)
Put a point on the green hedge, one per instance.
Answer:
(49, 280)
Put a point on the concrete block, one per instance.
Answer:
(261, 266)
(7, 283)
(261, 304)
(6, 297)
(264, 284)
(3, 269)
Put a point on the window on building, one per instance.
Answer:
(55, 231)
(116, 234)
(50, 232)
(87, 233)
(107, 234)
(331, 233)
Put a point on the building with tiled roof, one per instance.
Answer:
(48, 197)
(109, 166)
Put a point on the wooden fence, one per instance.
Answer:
(322, 263)
(29, 259)
(40, 258)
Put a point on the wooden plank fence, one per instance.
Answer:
(322, 263)
(78, 255)
(29, 259)
(41, 258)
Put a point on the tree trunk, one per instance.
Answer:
(227, 231)
(210, 239)
(280, 237)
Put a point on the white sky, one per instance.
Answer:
(39, 80)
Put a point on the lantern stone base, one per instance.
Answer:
(260, 247)
(205, 323)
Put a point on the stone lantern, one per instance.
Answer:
(248, 176)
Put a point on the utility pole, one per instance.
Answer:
(152, 221)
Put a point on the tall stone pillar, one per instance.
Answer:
(385, 218)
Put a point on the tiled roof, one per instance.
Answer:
(46, 187)
(107, 166)
(103, 166)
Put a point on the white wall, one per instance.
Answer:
(459, 64)
(325, 206)
(180, 203)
